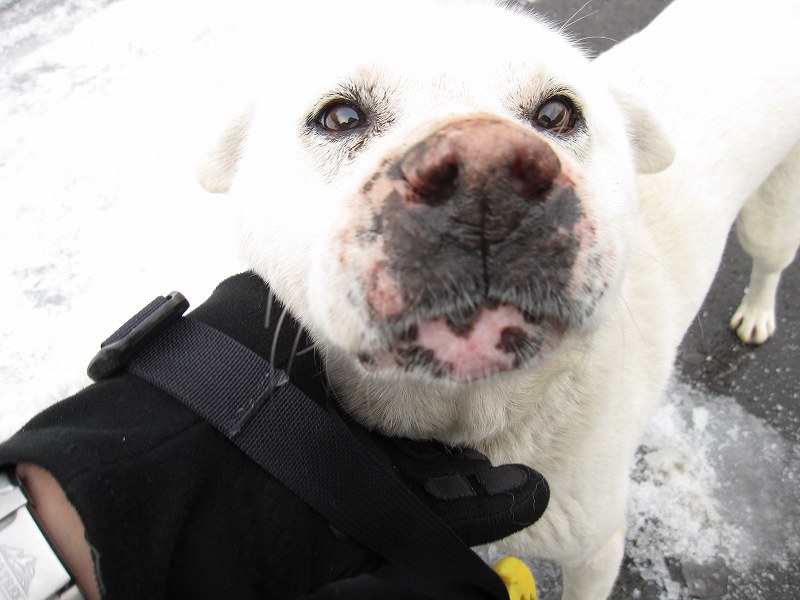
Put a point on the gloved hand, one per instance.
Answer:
(172, 509)
(481, 503)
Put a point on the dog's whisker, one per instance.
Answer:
(293, 352)
(584, 358)
(569, 22)
(698, 317)
(596, 37)
(273, 353)
(268, 314)
(678, 281)
(633, 321)
(587, 15)
(274, 348)
(306, 350)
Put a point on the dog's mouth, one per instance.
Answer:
(491, 340)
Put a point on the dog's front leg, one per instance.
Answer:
(593, 579)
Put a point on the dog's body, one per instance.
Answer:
(483, 231)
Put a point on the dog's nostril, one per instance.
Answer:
(432, 171)
(532, 173)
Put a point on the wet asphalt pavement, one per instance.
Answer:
(762, 380)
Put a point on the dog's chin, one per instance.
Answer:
(494, 340)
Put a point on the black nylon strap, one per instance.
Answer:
(311, 451)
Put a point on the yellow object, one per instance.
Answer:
(517, 577)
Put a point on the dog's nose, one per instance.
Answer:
(481, 158)
(478, 211)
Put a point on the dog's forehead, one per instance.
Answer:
(444, 48)
(476, 35)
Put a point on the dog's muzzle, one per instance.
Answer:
(477, 225)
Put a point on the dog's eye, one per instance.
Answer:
(557, 115)
(341, 116)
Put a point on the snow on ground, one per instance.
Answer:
(100, 128)
(100, 131)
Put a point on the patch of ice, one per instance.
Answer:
(713, 486)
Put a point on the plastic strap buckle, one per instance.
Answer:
(130, 339)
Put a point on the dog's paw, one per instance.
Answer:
(753, 324)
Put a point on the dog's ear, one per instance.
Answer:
(652, 147)
(218, 167)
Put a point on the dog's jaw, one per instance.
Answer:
(495, 410)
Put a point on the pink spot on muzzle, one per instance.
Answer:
(481, 350)
(498, 339)
(493, 344)
(384, 295)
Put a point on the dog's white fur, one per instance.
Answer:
(723, 81)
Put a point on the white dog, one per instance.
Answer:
(488, 235)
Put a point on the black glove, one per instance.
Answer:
(174, 510)
(481, 503)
